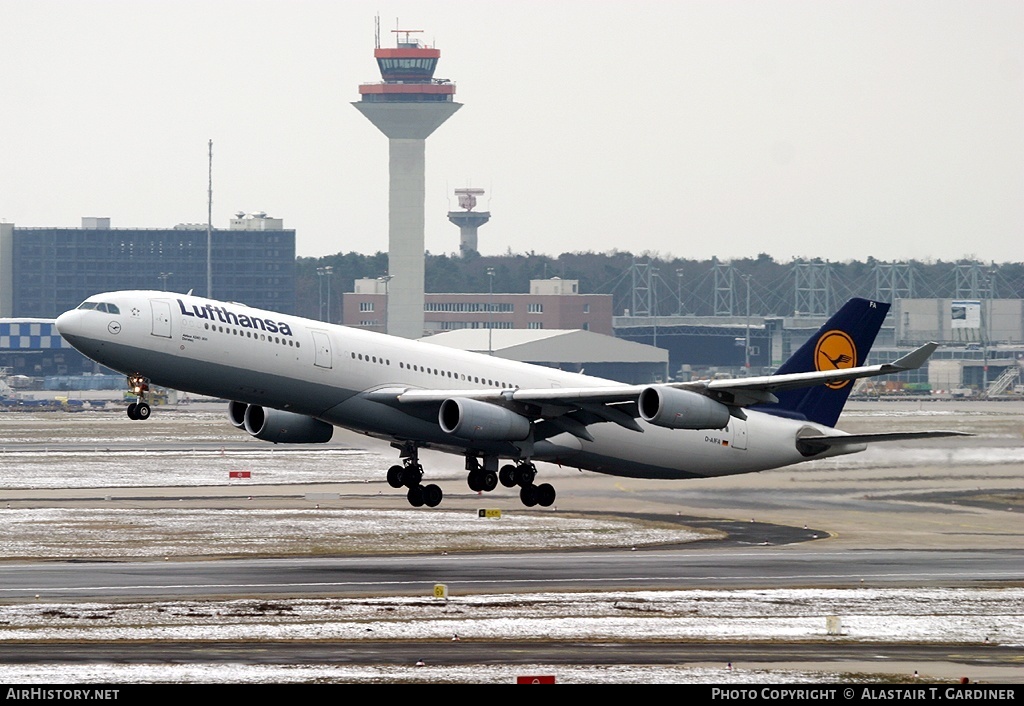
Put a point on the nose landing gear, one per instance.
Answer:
(139, 386)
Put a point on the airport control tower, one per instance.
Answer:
(468, 221)
(407, 106)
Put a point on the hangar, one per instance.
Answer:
(571, 350)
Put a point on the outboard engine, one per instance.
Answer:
(476, 420)
(681, 409)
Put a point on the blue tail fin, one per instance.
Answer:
(843, 342)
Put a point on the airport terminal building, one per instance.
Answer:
(46, 271)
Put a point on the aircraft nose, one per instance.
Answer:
(67, 323)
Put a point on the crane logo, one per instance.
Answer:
(835, 351)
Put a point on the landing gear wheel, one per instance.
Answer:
(525, 474)
(528, 495)
(485, 481)
(411, 476)
(507, 476)
(395, 476)
(545, 495)
(138, 386)
(415, 496)
(488, 481)
(431, 495)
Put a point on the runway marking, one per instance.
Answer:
(633, 579)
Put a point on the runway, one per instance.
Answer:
(929, 515)
(680, 568)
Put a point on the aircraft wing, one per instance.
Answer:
(576, 407)
(738, 392)
(756, 390)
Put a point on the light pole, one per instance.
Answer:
(985, 333)
(330, 271)
(490, 311)
(320, 282)
(654, 302)
(322, 272)
(679, 290)
(746, 349)
(385, 279)
(163, 277)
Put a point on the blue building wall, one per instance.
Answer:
(55, 269)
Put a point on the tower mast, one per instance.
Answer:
(407, 106)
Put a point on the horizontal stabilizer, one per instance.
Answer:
(820, 442)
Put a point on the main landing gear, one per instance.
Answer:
(481, 479)
(139, 385)
(523, 475)
(410, 475)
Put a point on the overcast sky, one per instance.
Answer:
(838, 130)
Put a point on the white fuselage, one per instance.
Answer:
(329, 372)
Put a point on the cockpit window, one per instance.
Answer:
(100, 306)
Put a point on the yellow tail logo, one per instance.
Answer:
(835, 351)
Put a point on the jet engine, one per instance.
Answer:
(681, 409)
(475, 420)
(236, 414)
(277, 426)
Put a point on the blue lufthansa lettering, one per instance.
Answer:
(224, 315)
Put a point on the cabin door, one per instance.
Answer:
(161, 318)
(322, 346)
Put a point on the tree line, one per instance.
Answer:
(665, 286)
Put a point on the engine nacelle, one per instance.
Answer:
(236, 414)
(681, 409)
(281, 427)
(475, 420)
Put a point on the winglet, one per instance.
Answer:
(916, 358)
